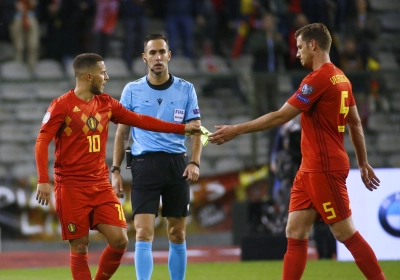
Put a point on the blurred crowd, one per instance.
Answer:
(262, 30)
(61, 29)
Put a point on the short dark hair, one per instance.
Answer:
(154, 36)
(84, 61)
(317, 31)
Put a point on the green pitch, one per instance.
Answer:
(250, 270)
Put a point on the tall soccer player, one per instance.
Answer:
(326, 103)
(160, 166)
(84, 197)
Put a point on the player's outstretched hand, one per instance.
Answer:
(192, 128)
(369, 178)
(224, 134)
(43, 193)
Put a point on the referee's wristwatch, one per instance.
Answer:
(115, 168)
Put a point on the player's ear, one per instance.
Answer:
(144, 58)
(313, 44)
(169, 55)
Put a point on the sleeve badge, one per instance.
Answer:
(306, 89)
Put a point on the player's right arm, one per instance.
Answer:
(226, 133)
(368, 176)
(120, 143)
(52, 121)
(43, 193)
(42, 155)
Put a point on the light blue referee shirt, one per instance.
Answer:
(173, 101)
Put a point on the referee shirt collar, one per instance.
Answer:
(163, 86)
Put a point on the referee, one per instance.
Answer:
(160, 166)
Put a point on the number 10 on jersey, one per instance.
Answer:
(94, 143)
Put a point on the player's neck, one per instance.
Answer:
(320, 60)
(83, 94)
(155, 79)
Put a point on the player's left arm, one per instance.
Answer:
(368, 176)
(357, 136)
(121, 115)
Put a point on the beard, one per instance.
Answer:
(306, 63)
(95, 89)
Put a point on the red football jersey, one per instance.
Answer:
(80, 130)
(324, 96)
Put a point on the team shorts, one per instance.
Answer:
(326, 192)
(81, 208)
(156, 175)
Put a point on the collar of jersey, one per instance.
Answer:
(163, 86)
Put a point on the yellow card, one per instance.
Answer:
(204, 136)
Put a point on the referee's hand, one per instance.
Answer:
(117, 184)
(192, 172)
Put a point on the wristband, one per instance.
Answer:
(195, 163)
(115, 168)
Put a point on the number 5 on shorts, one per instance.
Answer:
(329, 210)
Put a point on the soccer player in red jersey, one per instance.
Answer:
(326, 103)
(79, 121)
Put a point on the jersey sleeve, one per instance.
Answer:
(126, 97)
(309, 91)
(52, 121)
(42, 156)
(122, 115)
(193, 111)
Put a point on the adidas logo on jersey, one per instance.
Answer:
(76, 109)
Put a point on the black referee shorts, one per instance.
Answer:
(160, 174)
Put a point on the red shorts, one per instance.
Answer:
(81, 208)
(326, 192)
